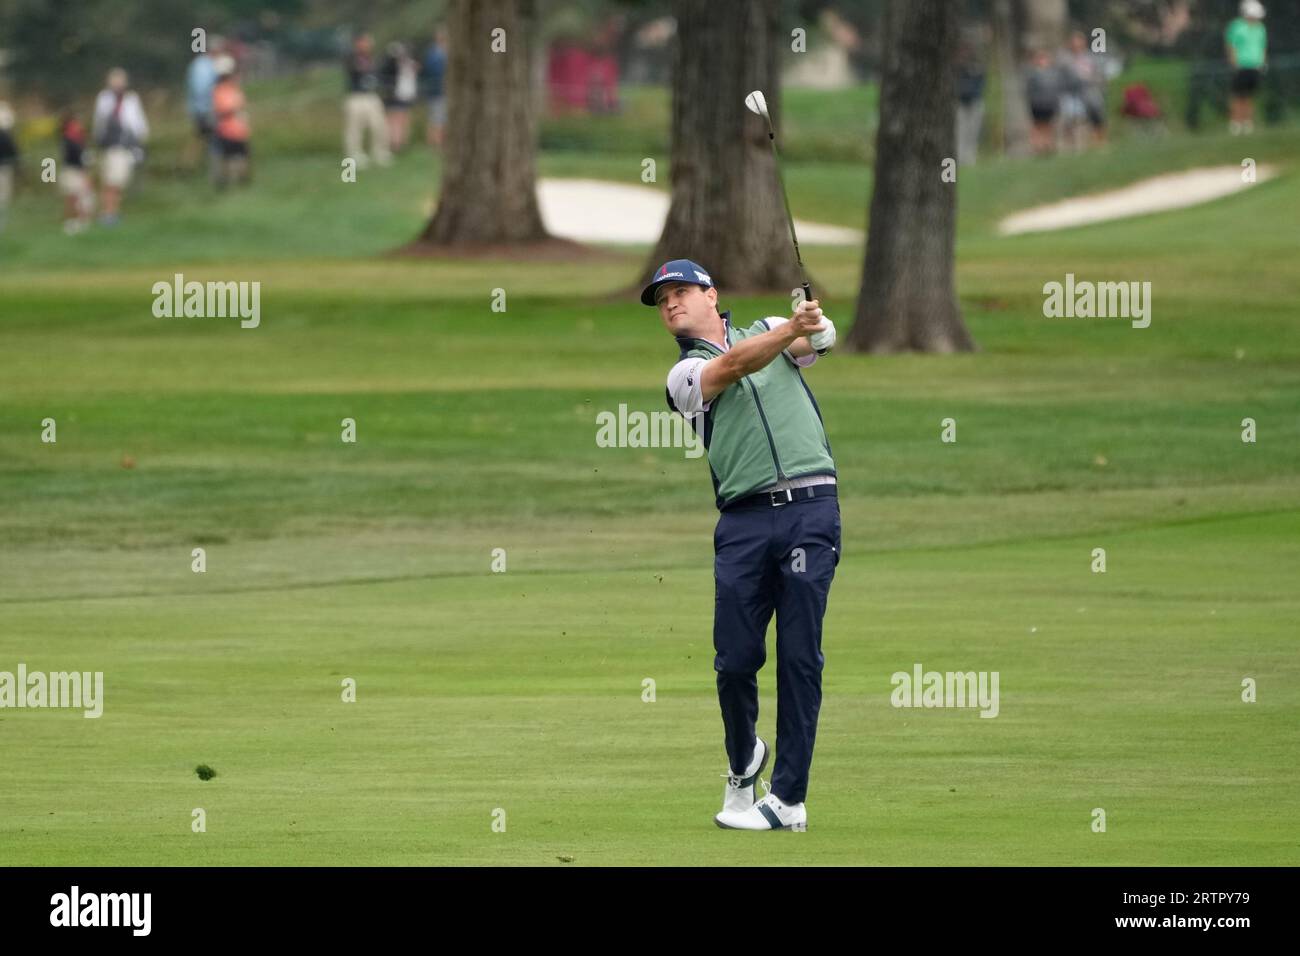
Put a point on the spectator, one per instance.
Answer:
(602, 68)
(435, 69)
(8, 160)
(74, 181)
(231, 128)
(363, 109)
(200, 78)
(400, 80)
(970, 104)
(1043, 91)
(120, 132)
(1247, 44)
(1083, 97)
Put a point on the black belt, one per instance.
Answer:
(783, 496)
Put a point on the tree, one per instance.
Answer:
(908, 299)
(60, 52)
(1045, 25)
(489, 178)
(726, 211)
(1020, 27)
(1015, 107)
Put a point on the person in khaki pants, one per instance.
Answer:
(120, 130)
(362, 107)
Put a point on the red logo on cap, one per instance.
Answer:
(664, 271)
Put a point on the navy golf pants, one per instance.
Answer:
(778, 559)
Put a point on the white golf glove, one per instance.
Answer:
(825, 339)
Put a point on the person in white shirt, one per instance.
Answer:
(120, 131)
(400, 75)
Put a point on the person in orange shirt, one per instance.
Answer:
(230, 125)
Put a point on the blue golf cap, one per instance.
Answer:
(675, 270)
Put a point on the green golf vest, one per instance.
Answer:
(760, 429)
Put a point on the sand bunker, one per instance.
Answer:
(592, 210)
(1169, 191)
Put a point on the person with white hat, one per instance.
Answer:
(1247, 45)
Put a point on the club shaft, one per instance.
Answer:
(789, 217)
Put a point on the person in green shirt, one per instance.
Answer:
(1247, 45)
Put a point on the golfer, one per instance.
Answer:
(778, 538)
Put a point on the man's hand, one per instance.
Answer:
(821, 337)
(822, 342)
(753, 353)
(807, 319)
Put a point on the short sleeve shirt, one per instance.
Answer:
(1249, 40)
(684, 377)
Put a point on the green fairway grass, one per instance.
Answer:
(522, 691)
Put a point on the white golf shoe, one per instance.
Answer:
(741, 791)
(770, 813)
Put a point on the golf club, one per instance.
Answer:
(757, 103)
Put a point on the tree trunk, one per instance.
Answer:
(1015, 108)
(908, 300)
(489, 176)
(1045, 25)
(727, 213)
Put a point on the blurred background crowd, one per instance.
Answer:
(1037, 76)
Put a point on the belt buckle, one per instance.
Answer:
(789, 497)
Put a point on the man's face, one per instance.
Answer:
(686, 308)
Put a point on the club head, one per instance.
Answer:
(757, 103)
